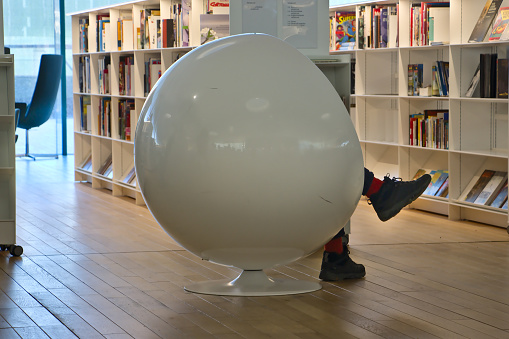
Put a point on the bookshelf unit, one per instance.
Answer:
(103, 139)
(478, 127)
(7, 157)
(93, 146)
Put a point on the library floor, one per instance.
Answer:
(97, 266)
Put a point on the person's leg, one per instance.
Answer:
(336, 262)
(389, 196)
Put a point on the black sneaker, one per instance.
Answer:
(340, 266)
(396, 194)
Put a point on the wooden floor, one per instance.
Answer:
(96, 266)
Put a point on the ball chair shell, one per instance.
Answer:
(246, 155)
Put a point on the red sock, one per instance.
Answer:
(335, 245)
(375, 186)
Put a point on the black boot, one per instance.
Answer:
(340, 266)
(396, 194)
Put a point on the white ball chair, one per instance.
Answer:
(246, 156)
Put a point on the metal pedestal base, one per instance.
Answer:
(252, 284)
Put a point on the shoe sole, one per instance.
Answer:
(327, 276)
(397, 208)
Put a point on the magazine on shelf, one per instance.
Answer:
(488, 194)
(86, 165)
(476, 186)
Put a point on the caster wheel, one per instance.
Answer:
(3, 247)
(16, 250)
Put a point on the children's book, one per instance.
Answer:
(345, 31)
(444, 189)
(443, 175)
(500, 24)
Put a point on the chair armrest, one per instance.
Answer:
(22, 106)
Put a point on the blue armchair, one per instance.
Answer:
(39, 110)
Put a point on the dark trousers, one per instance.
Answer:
(368, 179)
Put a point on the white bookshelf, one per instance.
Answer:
(90, 141)
(478, 127)
(336, 68)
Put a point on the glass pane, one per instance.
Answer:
(29, 32)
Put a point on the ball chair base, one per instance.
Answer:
(252, 284)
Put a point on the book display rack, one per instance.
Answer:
(119, 52)
(472, 138)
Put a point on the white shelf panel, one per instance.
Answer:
(379, 143)
(486, 153)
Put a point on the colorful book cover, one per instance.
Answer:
(345, 30)
(485, 19)
(434, 176)
(420, 172)
(500, 24)
(479, 185)
(444, 189)
(437, 184)
(186, 16)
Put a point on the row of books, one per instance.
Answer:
(126, 75)
(490, 79)
(152, 73)
(86, 165)
(106, 170)
(104, 117)
(103, 33)
(130, 177)
(430, 129)
(415, 79)
(85, 114)
(104, 69)
(142, 30)
(439, 184)
(84, 82)
(378, 27)
(439, 80)
(429, 23)
(489, 189)
(125, 109)
(83, 34)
